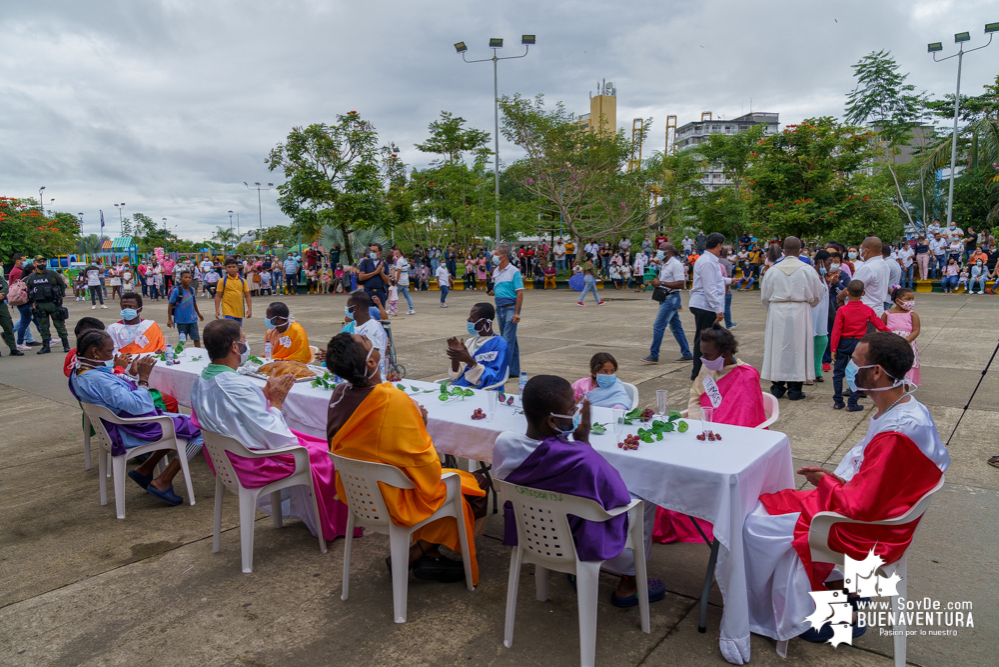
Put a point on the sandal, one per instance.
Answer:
(994, 461)
(440, 569)
(657, 591)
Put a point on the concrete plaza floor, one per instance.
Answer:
(79, 587)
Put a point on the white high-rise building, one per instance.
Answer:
(688, 136)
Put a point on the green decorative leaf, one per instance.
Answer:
(659, 436)
(598, 429)
(468, 392)
(412, 388)
(669, 428)
(428, 391)
(673, 415)
(634, 414)
(682, 427)
(197, 358)
(646, 437)
(443, 388)
(442, 397)
(400, 387)
(255, 360)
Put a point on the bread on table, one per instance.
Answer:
(286, 367)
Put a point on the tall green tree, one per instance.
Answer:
(811, 181)
(577, 172)
(333, 177)
(25, 229)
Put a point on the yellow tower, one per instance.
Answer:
(603, 108)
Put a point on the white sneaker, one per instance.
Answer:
(411, 312)
(104, 307)
(24, 348)
(93, 308)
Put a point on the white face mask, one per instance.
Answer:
(244, 355)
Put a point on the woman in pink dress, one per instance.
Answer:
(742, 405)
(481, 264)
(901, 320)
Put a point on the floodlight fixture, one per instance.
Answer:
(935, 46)
(962, 37)
(460, 47)
(495, 42)
(991, 28)
(527, 40)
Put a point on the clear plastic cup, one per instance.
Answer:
(662, 398)
(707, 418)
(617, 414)
(493, 402)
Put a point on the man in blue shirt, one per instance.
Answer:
(291, 274)
(508, 288)
(373, 273)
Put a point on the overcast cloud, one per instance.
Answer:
(169, 106)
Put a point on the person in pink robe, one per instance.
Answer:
(741, 405)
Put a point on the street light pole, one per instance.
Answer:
(230, 225)
(959, 39)
(164, 237)
(495, 44)
(260, 210)
(41, 202)
(121, 220)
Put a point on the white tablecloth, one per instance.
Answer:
(719, 482)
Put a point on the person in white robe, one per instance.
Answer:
(777, 579)
(790, 289)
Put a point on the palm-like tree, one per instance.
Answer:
(355, 246)
(981, 138)
(88, 245)
(224, 236)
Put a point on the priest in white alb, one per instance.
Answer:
(790, 289)
(223, 401)
(899, 460)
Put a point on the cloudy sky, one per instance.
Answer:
(170, 105)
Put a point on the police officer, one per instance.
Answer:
(45, 291)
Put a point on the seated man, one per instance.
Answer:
(93, 382)
(543, 458)
(287, 338)
(132, 334)
(482, 360)
(370, 420)
(360, 313)
(225, 402)
(898, 461)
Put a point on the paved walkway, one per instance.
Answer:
(79, 587)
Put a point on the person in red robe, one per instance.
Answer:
(899, 460)
(741, 405)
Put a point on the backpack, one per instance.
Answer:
(18, 294)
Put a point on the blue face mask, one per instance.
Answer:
(349, 312)
(373, 255)
(576, 419)
(269, 323)
(660, 254)
(605, 381)
(471, 329)
(129, 314)
(851, 374)
(822, 270)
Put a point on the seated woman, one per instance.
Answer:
(602, 387)
(94, 382)
(550, 272)
(371, 420)
(742, 405)
(223, 401)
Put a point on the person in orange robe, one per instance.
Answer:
(132, 334)
(374, 421)
(288, 339)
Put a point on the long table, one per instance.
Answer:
(718, 482)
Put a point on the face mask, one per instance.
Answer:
(269, 323)
(714, 365)
(100, 364)
(349, 312)
(605, 381)
(366, 358)
(851, 378)
(129, 314)
(244, 353)
(576, 418)
(471, 329)
(822, 270)
(907, 305)
(978, 263)
(953, 226)
(373, 255)
(853, 255)
(660, 255)
(834, 267)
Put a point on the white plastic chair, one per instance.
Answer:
(818, 543)
(364, 498)
(225, 478)
(86, 441)
(632, 391)
(169, 441)
(770, 407)
(545, 539)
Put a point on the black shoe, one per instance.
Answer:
(795, 395)
(439, 569)
(65, 344)
(650, 360)
(685, 358)
(33, 344)
(855, 408)
(16, 353)
(45, 350)
(777, 391)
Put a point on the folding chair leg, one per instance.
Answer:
(782, 648)
(463, 537)
(102, 476)
(348, 542)
(276, 509)
(702, 626)
(541, 580)
(399, 539)
(637, 531)
(247, 517)
(319, 520)
(587, 590)
(900, 639)
(513, 583)
(118, 467)
(217, 532)
(86, 444)
(186, 469)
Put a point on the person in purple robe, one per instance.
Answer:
(94, 382)
(545, 458)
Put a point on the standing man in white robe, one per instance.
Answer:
(790, 289)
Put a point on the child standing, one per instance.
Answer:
(393, 299)
(902, 321)
(850, 326)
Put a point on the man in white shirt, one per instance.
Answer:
(364, 325)
(938, 246)
(874, 273)
(934, 227)
(400, 272)
(707, 294)
(687, 245)
(559, 251)
(906, 256)
(670, 277)
(624, 244)
(443, 277)
(954, 232)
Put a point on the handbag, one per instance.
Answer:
(660, 293)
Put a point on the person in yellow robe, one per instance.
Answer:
(369, 420)
(132, 334)
(288, 339)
